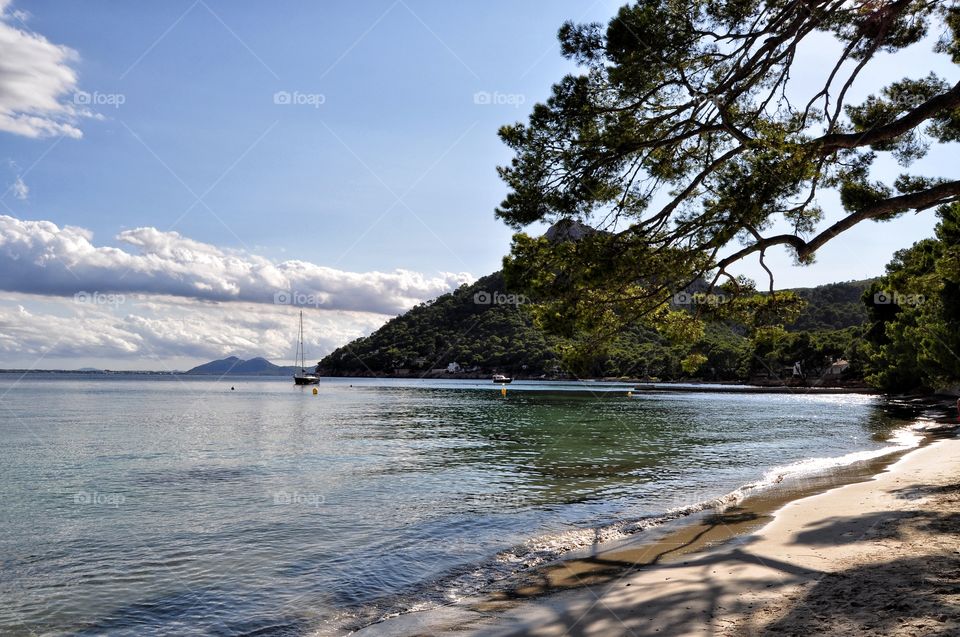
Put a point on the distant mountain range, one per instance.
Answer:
(234, 366)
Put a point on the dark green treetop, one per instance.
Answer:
(688, 145)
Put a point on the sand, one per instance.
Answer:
(880, 557)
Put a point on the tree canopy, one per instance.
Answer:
(688, 143)
(914, 338)
(472, 327)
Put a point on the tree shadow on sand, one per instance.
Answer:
(605, 567)
(877, 526)
(915, 595)
(645, 610)
(909, 594)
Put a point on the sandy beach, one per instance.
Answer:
(877, 557)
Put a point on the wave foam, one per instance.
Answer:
(900, 439)
(541, 550)
(545, 549)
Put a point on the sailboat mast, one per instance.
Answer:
(300, 353)
(302, 377)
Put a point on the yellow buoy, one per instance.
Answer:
(629, 394)
(503, 391)
(314, 391)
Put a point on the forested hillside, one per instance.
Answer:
(484, 328)
(459, 327)
(832, 307)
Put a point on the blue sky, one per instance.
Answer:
(397, 119)
(337, 146)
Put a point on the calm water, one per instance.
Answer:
(161, 506)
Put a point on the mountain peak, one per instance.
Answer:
(234, 365)
(568, 230)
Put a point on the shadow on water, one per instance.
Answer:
(218, 613)
(912, 590)
(186, 477)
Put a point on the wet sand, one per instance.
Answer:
(872, 549)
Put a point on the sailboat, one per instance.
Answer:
(303, 377)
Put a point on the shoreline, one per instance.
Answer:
(751, 389)
(578, 589)
(829, 563)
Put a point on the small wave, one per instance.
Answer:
(900, 440)
(545, 549)
(508, 564)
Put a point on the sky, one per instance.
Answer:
(178, 178)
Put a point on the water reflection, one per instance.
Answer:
(268, 508)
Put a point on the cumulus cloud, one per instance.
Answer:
(147, 332)
(39, 257)
(36, 80)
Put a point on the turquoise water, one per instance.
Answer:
(165, 506)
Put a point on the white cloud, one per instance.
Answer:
(142, 332)
(39, 257)
(20, 189)
(36, 80)
(163, 300)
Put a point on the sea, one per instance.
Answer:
(180, 505)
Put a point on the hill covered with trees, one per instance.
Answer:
(484, 328)
(833, 306)
(477, 325)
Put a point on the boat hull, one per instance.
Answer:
(306, 380)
